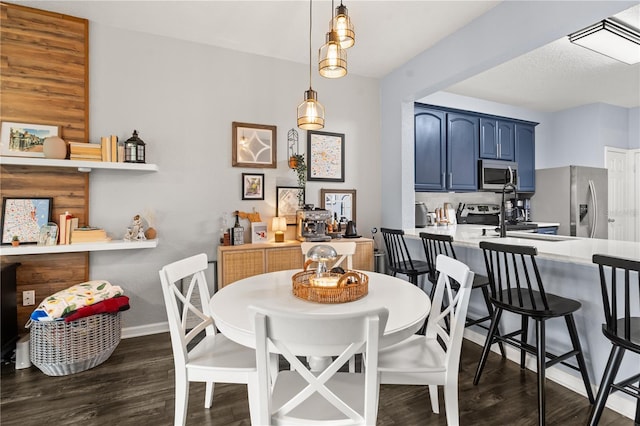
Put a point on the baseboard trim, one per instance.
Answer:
(615, 402)
(145, 330)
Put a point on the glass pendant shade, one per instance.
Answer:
(333, 58)
(310, 112)
(342, 25)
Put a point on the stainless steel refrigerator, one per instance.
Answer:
(574, 196)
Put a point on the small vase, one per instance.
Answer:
(55, 147)
(293, 162)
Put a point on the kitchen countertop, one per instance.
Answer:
(555, 247)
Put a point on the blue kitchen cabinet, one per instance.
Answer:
(525, 156)
(462, 152)
(430, 149)
(497, 139)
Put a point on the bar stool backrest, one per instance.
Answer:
(397, 251)
(435, 244)
(513, 275)
(620, 285)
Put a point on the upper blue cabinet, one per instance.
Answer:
(497, 139)
(449, 143)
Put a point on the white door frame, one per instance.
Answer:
(628, 208)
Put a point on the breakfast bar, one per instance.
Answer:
(567, 270)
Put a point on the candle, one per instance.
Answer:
(330, 281)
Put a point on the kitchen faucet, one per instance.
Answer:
(503, 219)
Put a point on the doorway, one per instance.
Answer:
(624, 184)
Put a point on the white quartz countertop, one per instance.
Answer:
(556, 247)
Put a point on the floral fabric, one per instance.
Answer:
(54, 307)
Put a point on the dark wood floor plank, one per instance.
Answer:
(135, 387)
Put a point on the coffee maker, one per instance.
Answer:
(312, 225)
(520, 210)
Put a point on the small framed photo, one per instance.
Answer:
(48, 235)
(24, 217)
(326, 156)
(254, 145)
(253, 186)
(23, 139)
(258, 232)
(288, 198)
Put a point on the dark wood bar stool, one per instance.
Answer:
(399, 258)
(435, 244)
(516, 287)
(622, 329)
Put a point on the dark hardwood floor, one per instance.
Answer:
(135, 387)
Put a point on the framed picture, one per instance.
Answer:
(253, 186)
(287, 202)
(48, 235)
(23, 217)
(254, 145)
(326, 156)
(258, 232)
(23, 139)
(340, 202)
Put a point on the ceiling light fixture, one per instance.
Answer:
(341, 24)
(611, 38)
(332, 58)
(310, 111)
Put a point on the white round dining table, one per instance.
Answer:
(408, 305)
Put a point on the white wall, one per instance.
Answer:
(182, 98)
(505, 32)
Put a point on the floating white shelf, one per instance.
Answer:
(72, 248)
(82, 166)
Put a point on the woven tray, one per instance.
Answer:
(59, 348)
(352, 285)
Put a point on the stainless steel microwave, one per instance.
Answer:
(494, 174)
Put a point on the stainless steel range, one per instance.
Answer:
(489, 214)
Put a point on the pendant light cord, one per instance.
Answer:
(310, 23)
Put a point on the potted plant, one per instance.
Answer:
(15, 241)
(301, 172)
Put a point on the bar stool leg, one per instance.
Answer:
(613, 364)
(524, 336)
(487, 301)
(575, 340)
(487, 344)
(541, 355)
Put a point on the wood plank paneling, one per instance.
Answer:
(44, 68)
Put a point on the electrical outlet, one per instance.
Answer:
(28, 298)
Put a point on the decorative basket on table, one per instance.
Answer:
(330, 287)
(59, 348)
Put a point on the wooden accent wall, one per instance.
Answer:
(44, 80)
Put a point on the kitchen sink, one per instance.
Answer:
(539, 237)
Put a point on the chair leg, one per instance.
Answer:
(433, 396)
(524, 336)
(487, 301)
(208, 394)
(575, 340)
(609, 375)
(487, 344)
(451, 403)
(182, 399)
(541, 358)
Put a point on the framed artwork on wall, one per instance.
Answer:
(326, 156)
(254, 145)
(23, 217)
(287, 202)
(23, 139)
(340, 202)
(253, 186)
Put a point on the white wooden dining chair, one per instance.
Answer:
(422, 360)
(345, 249)
(299, 396)
(215, 358)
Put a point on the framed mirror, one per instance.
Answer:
(342, 202)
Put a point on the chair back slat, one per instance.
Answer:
(514, 277)
(617, 294)
(397, 251)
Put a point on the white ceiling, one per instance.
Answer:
(554, 77)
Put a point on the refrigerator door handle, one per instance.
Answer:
(594, 204)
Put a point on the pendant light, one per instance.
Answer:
(332, 62)
(341, 24)
(310, 111)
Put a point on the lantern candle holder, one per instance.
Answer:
(134, 149)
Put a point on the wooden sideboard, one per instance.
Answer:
(237, 262)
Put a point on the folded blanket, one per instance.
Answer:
(113, 305)
(66, 301)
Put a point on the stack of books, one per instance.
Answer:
(81, 151)
(66, 225)
(88, 234)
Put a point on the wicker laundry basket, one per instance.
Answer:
(60, 348)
